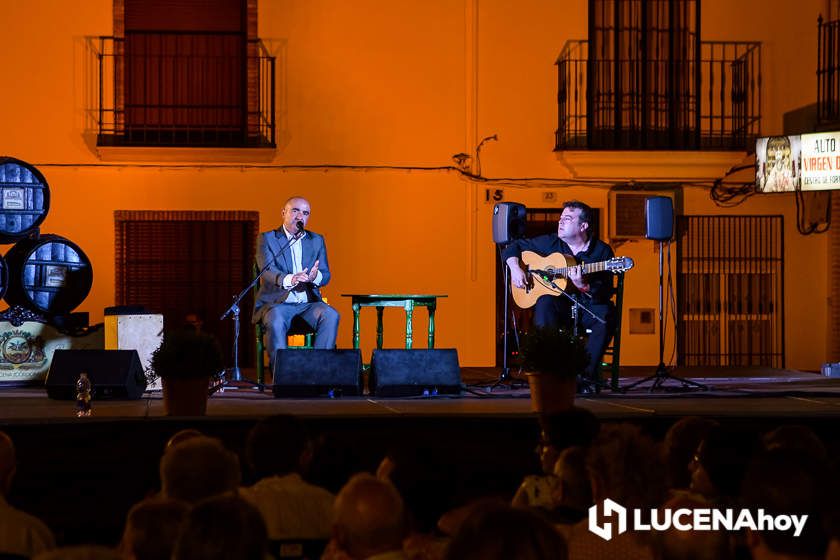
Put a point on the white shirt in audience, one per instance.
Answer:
(292, 508)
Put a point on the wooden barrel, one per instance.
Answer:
(24, 199)
(48, 274)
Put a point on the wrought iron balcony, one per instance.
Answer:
(713, 103)
(168, 89)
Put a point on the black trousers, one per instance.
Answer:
(556, 312)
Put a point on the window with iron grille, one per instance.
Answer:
(185, 73)
(730, 291)
(180, 262)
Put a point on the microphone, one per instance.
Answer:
(300, 226)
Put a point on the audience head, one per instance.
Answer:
(573, 489)
(673, 544)
(222, 527)
(277, 445)
(80, 552)
(424, 483)
(576, 426)
(624, 465)
(8, 463)
(198, 468)
(151, 529)
(368, 517)
(720, 462)
(500, 532)
(181, 436)
(784, 482)
(680, 444)
(798, 439)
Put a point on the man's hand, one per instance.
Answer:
(302, 276)
(577, 278)
(517, 275)
(313, 273)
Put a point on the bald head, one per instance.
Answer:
(368, 517)
(8, 462)
(295, 210)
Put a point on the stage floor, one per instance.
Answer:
(732, 392)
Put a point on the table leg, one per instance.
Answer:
(356, 309)
(409, 312)
(431, 326)
(379, 310)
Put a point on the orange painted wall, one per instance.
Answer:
(405, 83)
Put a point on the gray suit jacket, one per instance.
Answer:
(271, 290)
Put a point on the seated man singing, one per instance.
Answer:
(291, 285)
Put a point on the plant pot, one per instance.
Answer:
(185, 396)
(551, 392)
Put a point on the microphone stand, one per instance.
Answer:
(234, 371)
(576, 307)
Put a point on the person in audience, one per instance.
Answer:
(577, 426)
(678, 448)
(180, 436)
(223, 527)
(198, 468)
(625, 466)
(278, 452)
(572, 494)
(369, 519)
(79, 552)
(20, 532)
(785, 482)
(798, 439)
(151, 529)
(425, 485)
(719, 463)
(673, 544)
(502, 532)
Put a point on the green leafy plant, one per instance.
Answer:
(553, 351)
(187, 354)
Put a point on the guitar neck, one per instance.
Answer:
(586, 268)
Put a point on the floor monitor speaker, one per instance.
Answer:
(400, 373)
(317, 373)
(114, 374)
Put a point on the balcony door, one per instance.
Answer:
(185, 73)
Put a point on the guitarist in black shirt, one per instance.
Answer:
(574, 238)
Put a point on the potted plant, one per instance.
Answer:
(185, 361)
(552, 359)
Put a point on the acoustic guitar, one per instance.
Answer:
(549, 275)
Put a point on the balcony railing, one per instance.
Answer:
(719, 109)
(184, 90)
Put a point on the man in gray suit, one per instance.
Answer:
(291, 285)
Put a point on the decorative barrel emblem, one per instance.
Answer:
(24, 199)
(50, 275)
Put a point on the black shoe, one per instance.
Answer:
(584, 387)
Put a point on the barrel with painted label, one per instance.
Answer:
(48, 274)
(24, 199)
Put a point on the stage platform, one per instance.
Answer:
(81, 475)
(731, 392)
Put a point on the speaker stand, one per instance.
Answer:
(661, 375)
(506, 380)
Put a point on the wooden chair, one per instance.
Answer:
(300, 335)
(613, 351)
